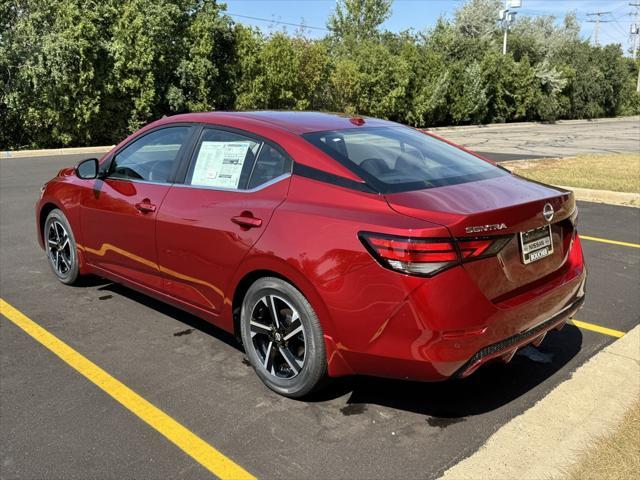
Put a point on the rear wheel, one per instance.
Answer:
(61, 247)
(283, 337)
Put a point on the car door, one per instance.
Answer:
(208, 224)
(118, 215)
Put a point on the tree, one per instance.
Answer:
(204, 80)
(478, 18)
(552, 82)
(10, 128)
(372, 82)
(54, 62)
(248, 90)
(541, 38)
(630, 98)
(146, 48)
(470, 98)
(283, 72)
(81, 72)
(429, 81)
(358, 20)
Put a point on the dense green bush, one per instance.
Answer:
(86, 72)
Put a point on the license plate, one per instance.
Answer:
(536, 244)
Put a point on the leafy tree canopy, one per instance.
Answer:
(87, 72)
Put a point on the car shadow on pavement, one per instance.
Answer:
(489, 388)
(180, 315)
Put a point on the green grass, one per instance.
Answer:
(617, 172)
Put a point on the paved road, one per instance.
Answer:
(513, 141)
(55, 424)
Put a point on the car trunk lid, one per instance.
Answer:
(506, 205)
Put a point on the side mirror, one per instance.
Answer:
(88, 169)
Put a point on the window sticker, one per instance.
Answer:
(219, 164)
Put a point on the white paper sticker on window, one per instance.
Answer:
(219, 164)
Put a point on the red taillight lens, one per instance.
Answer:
(428, 256)
(414, 250)
(415, 256)
(474, 248)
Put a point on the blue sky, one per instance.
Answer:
(419, 14)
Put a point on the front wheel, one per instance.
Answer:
(283, 338)
(61, 247)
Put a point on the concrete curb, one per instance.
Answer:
(53, 151)
(546, 440)
(528, 124)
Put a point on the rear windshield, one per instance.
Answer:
(399, 159)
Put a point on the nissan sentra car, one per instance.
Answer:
(330, 245)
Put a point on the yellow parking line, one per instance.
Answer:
(187, 441)
(597, 328)
(612, 242)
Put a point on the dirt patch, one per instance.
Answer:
(614, 456)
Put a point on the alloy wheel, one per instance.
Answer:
(59, 248)
(278, 336)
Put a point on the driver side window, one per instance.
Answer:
(151, 158)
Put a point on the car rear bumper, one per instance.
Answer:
(447, 328)
(506, 349)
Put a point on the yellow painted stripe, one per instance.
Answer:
(612, 242)
(597, 328)
(187, 441)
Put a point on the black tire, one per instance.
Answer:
(63, 256)
(299, 364)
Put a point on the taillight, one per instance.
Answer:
(427, 256)
(415, 256)
(474, 248)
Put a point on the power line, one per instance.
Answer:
(270, 20)
(619, 28)
(530, 12)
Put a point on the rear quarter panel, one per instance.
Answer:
(312, 241)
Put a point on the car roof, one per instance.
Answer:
(292, 121)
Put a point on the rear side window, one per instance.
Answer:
(396, 159)
(271, 164)
(151, 158)
(228, 160)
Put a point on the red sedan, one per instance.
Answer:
(330, 245)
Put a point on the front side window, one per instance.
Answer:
(229, 160)
(396, 159)
(151, 158)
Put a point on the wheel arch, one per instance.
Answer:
(45, 209)
(241, 289)
(256, 268)
(44, 212)
(336, 364)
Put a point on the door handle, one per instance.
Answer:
(247, 220)
(146, 206)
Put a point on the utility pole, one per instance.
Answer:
(508, 16)
(597, 22)
(635, 31)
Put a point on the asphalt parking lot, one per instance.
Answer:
(517, 141)
(56, 424)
